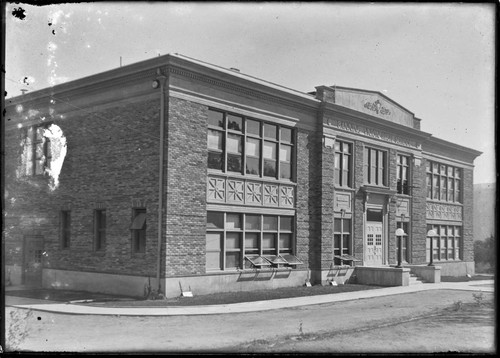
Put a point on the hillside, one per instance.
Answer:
(484, 210)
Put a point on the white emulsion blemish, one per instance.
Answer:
(58, 147)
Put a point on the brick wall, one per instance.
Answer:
(308, 200)
(418, 223)
(111, 163)
(186, 192)
(392, 181)
(468, 234)
(359, 200)
(327, 204)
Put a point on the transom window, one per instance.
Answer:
(446, 246)
(375, 167)
(443, 182)
(403, 174)
(343, 164)
(247, 146)
(231, 237)
(37, 152)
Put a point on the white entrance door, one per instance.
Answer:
(373, 243)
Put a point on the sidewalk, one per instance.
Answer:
(83, 309)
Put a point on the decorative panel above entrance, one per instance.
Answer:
(249, 192)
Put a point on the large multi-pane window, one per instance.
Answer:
(65, 218)
(375, 167)
(99, 229)
(247, 146)
(341, 239)
(343, 164)
(37, 153)
(233, 237)
(403, 174)
(446, 245)
(444, 182)
(404, 240)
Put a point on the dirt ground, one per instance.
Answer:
(431, 321)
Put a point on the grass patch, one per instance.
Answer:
(466, 278)
(237, 297)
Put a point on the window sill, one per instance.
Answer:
(346, 188)
(444, 202)
(404, 195)
(234, 175)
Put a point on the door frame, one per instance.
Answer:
(35, 243)
(385, 241)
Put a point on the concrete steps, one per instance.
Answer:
(415, 280)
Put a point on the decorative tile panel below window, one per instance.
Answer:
(287, 196)
(253, 193)
(270, 195)
(235, 191)
(438, 211)
(249, 192)
(216, 190)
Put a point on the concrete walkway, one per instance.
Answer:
(83, 309)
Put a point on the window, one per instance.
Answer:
(341, 239)
(403, 174)
(446, 246)
(37, 153)
(65, 228)
(443, 182)
(138, 228)
(404, 240)
(375, 167)
(99, 229)
(232, 236)
(343, 164)
(242, 145)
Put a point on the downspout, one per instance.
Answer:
(161, 79)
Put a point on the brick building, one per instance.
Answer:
(184, 174)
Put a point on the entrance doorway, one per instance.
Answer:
(33, 265)
(374, 234)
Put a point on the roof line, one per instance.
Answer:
(306, 94)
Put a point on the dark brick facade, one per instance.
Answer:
(468, 233)
(112, 164)
(418, 214)
(359, 201)
(186, 188)
(308, 219)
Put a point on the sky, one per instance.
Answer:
(437, 60)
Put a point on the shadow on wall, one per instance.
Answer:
(266, 275)
(314, 161)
